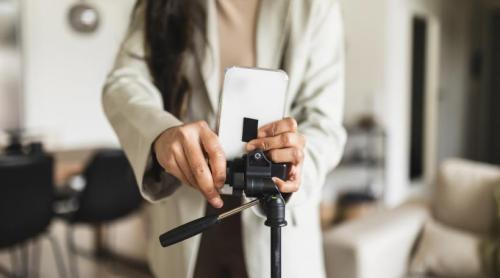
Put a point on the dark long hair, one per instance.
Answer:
(170, 30)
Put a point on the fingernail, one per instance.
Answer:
(217, 202)
(275, 179)
(250, 148)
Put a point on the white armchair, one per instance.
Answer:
(378, 246)
(381, 245)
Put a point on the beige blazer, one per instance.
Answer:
(302, 37)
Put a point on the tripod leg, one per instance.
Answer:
(36, 259)
(57, 256)
(25, 259)
(275, 252)
(14, 261)
(72, 254)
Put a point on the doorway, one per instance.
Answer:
(418, 97)
(484, 126)
(492, 94)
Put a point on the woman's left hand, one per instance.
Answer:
(283, 144)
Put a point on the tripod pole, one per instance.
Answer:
(274, 205)
(275, 252)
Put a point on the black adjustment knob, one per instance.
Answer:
(274, 205)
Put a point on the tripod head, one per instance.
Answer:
(251, 174)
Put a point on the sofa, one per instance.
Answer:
(441, 236)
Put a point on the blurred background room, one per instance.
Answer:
(417, 193)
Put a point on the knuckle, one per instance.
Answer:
(198, 170)
(176, 148)
(219, 165)
(211, 141)
(274, 128)
(184, 133)
(208, 191)
(219, 173)
(202, 124)
(260, 144)
(292, 123)
(165, 156)
(219, 154)
(266, 145)
(272, 155)
(220, 176)
(298, 154)
(286, 139)
(215, 150)
(219, 161)
(169, 164)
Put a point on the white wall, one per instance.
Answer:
(64, 71)
(379, 79)
(377, 34)
(9, 88)
(364, 23)
(10, 70)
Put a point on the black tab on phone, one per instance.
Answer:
(250, 129)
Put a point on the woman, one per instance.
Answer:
(161, 99)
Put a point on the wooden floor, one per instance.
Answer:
(88, 266)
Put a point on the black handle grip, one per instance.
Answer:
(188, 230)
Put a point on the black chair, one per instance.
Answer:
(26, 198)
(108, 192)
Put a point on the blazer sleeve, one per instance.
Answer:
(133, 106)
(318, 106)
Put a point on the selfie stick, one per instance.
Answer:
(252, 175)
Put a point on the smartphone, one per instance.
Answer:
(251, 98)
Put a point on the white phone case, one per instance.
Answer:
(254, 93)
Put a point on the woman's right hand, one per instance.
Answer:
(181, 152)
